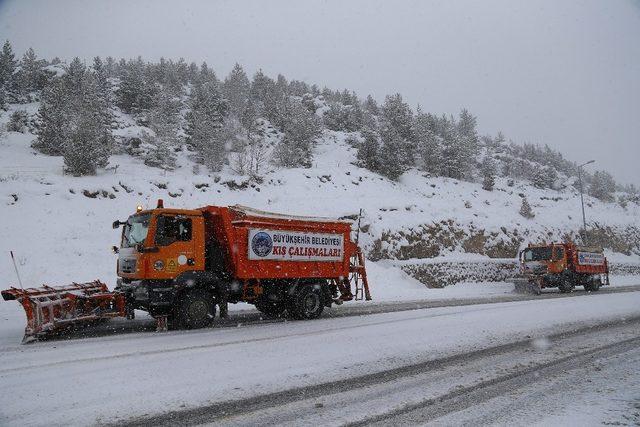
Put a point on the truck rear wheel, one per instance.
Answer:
(196, 309)
(593, 285)
(271, 308)
(307, 302)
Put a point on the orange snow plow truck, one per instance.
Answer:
(179, 264)
(563, 266)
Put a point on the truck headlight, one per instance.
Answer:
(158, 265)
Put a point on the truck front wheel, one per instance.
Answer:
(565, 286)
(307, 302)
(196, 309)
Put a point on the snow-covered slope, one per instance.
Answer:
(59, 226)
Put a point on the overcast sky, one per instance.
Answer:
(563, 73)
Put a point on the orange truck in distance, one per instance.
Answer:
(180, 264)
(563, 266)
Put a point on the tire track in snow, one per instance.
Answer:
(460, 398)
(353, 311)
(230, 343)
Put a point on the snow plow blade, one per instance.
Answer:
(525, 286)
(53, 309)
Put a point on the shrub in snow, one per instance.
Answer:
(160, 155)
(488, 182)
(603, 186)
(18, 121)
(525, 209)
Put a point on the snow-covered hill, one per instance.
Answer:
(59, 225)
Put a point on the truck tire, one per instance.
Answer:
(593, 285)
(307, 302)
(271, 309)
(196, 309)
(565, 286)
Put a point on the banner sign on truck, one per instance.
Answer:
(590, 258)
(295, 246)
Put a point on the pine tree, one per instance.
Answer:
(429, 145)
(161, 154)
(86, 149)
(102, 78)
(392, 153)
(398, 115)
(550, 177)
(110, 67)
(371, 105)
(53, 117)
(204, 122)
(467, 143)
(454, 159)
(236, 90)
(397, 130)
(525, 209)
(103, 90)
(488, 169)
(74, 81)
(89, 141)
(32, 76)
(207, 75)
(163, 121)
(261, 89)
(8, 65)
(18, 121)
(368, 154)
(347, 118)
(300, 128)
(136, 90)
(539, 179)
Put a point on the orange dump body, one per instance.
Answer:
(586, 260)
(261, 245)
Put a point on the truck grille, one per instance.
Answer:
(539, 269)
(128, 265)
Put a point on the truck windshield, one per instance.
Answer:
(537, 254)
(135, 230)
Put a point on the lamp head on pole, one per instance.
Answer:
(587, 163)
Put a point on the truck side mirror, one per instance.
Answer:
(115, 249)
(116, 224)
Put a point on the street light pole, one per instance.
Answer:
(584, 218)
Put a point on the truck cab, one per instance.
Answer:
(159, 249)
(543, 259)
(160, 244)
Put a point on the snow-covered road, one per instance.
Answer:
(122, 377)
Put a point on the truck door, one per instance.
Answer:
(177, 242)
(557, 264)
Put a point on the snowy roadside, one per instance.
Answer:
(188, 369)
